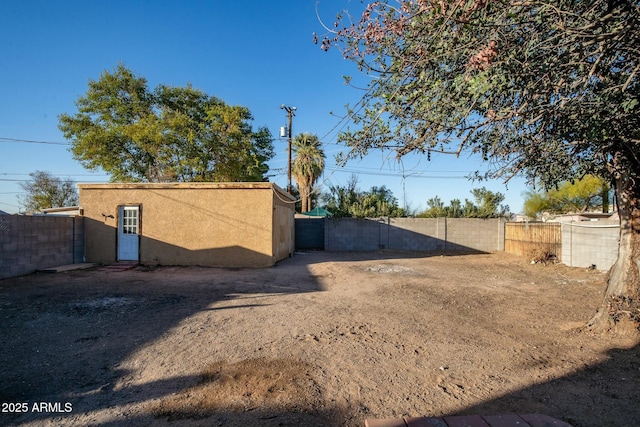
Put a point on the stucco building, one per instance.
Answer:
(207, 224)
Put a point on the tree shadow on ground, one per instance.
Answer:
(611, 389)
(67, 338)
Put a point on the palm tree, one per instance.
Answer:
(307, 166)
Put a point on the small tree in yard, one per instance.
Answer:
(45, 191)
(544, 89)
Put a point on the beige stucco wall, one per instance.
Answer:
(209, 224)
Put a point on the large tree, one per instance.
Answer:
(350, 202)
(307, 166)
(165, 134)
(543, 89)
(377, 202)
(45, 190)
(339, 199)
(581, 195)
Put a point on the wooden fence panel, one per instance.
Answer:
(535, 240)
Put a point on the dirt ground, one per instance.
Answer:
(321, 339)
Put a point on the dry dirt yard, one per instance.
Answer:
(321, 339)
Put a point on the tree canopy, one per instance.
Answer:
(166, 134)
(350, 202)
(486, 204)
(582, 195)
(44, 191)
(543, 89)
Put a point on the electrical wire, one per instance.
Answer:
(28, 180)
(10, 204)
(32, 141)
(56, 174)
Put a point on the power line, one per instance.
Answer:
(10, 204)
(56, 174)
(28, 180)
(363, 171)
(32, 141)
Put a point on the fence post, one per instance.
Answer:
(446, 237)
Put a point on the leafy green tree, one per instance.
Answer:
(455, 209)
(167, 134)
(545, 90)
(45, 191)
(339, 199)
(307, 166)
(487, 205)
(350, 202)
(535, 203)
(377, 202)
(435, 208)
(582, 195)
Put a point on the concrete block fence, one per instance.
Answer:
(414, 234)
(29, 243)
(582, 244)
(587, 244)
(309, 233)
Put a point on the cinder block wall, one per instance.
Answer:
(585, 244)
(354, 234)
(29, 243)
(309, 233)
(78, 239)
(486, 235)
(418, 234)
(415, 234)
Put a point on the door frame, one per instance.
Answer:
(120, 231)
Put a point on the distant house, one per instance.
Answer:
(521, 218)
(207, 224)
(64, 211)
(582, 216)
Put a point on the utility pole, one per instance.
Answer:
(291, 111)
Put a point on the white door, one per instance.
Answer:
(128, 233)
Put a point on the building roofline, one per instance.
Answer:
(61, 209)
(186, 186)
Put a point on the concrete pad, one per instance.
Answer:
(506, 420)
(68, 267)
(541, 420)
(466, 421)
(120, 266)
(424, 422)
(387, 422)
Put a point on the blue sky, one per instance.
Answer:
(251, 53)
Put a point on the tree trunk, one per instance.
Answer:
(620, 310)
(304, 195)
(605, 198)
(309, 199)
